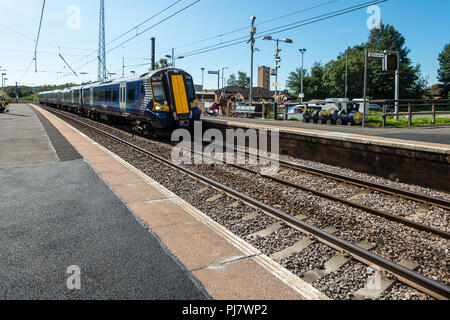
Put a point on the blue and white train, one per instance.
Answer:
(154, 103)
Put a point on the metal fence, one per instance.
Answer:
(407, 109)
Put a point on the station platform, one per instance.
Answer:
(411, 155)
(67, 201)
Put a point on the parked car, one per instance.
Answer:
(375, 107)
(296, 112)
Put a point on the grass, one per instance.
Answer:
(417, 122)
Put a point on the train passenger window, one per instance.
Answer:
(107, 95)
(131, 95)
(190, 89)
(101, 95)
(114, 95)
(158, 92)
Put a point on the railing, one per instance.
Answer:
(410, 108)
(407, 109)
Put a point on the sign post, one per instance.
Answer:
(391, 63)
(366, 56)
(218, 82)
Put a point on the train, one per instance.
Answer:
(154, 103)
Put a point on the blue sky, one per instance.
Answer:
(424, 24)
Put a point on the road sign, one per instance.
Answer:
(390, 62)
(301, 95)
(376, 55)
(213, 72)
(276, 84)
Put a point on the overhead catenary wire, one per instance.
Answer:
(140, 33)
(283, 28)
(257, 24)
(38, 35)
(134, 28)
(36, 45)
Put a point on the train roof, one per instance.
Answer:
(112, 81)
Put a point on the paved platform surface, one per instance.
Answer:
(437, 134)
(131, 237)
(55, 214)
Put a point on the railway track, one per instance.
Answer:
(410, 277)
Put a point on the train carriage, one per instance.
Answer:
(156, 102)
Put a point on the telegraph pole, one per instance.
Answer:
(153, 54)
(252, 49)
(346, 74)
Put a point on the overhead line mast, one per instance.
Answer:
(101, 74)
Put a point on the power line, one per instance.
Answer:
(258, 24)
(115, 39)
(290, 26)
(140, 33)
(39, 33)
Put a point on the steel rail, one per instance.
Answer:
(402, 220)
(434, 288)
(438, 202)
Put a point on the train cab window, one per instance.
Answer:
(131, 95)
(190, 89)
(114, 95)
(159, 92)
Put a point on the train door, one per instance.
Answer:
(123, 97)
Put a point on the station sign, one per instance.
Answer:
(376, 55)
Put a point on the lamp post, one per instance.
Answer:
(3, 74)
(277, 66)
(302, 95)
(223, 76)
(173, 57)
(203, 83)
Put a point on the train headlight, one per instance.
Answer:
(160, 108)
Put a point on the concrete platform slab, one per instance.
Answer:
(233, 282)
(160, 214)
(138, 193)
(197, 241)
(23, 139)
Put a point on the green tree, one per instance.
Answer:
(232, 81)
(243, 80)
(381, 85)
(162, 64)
(313, 87)
(22, 91)
(444, 69)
